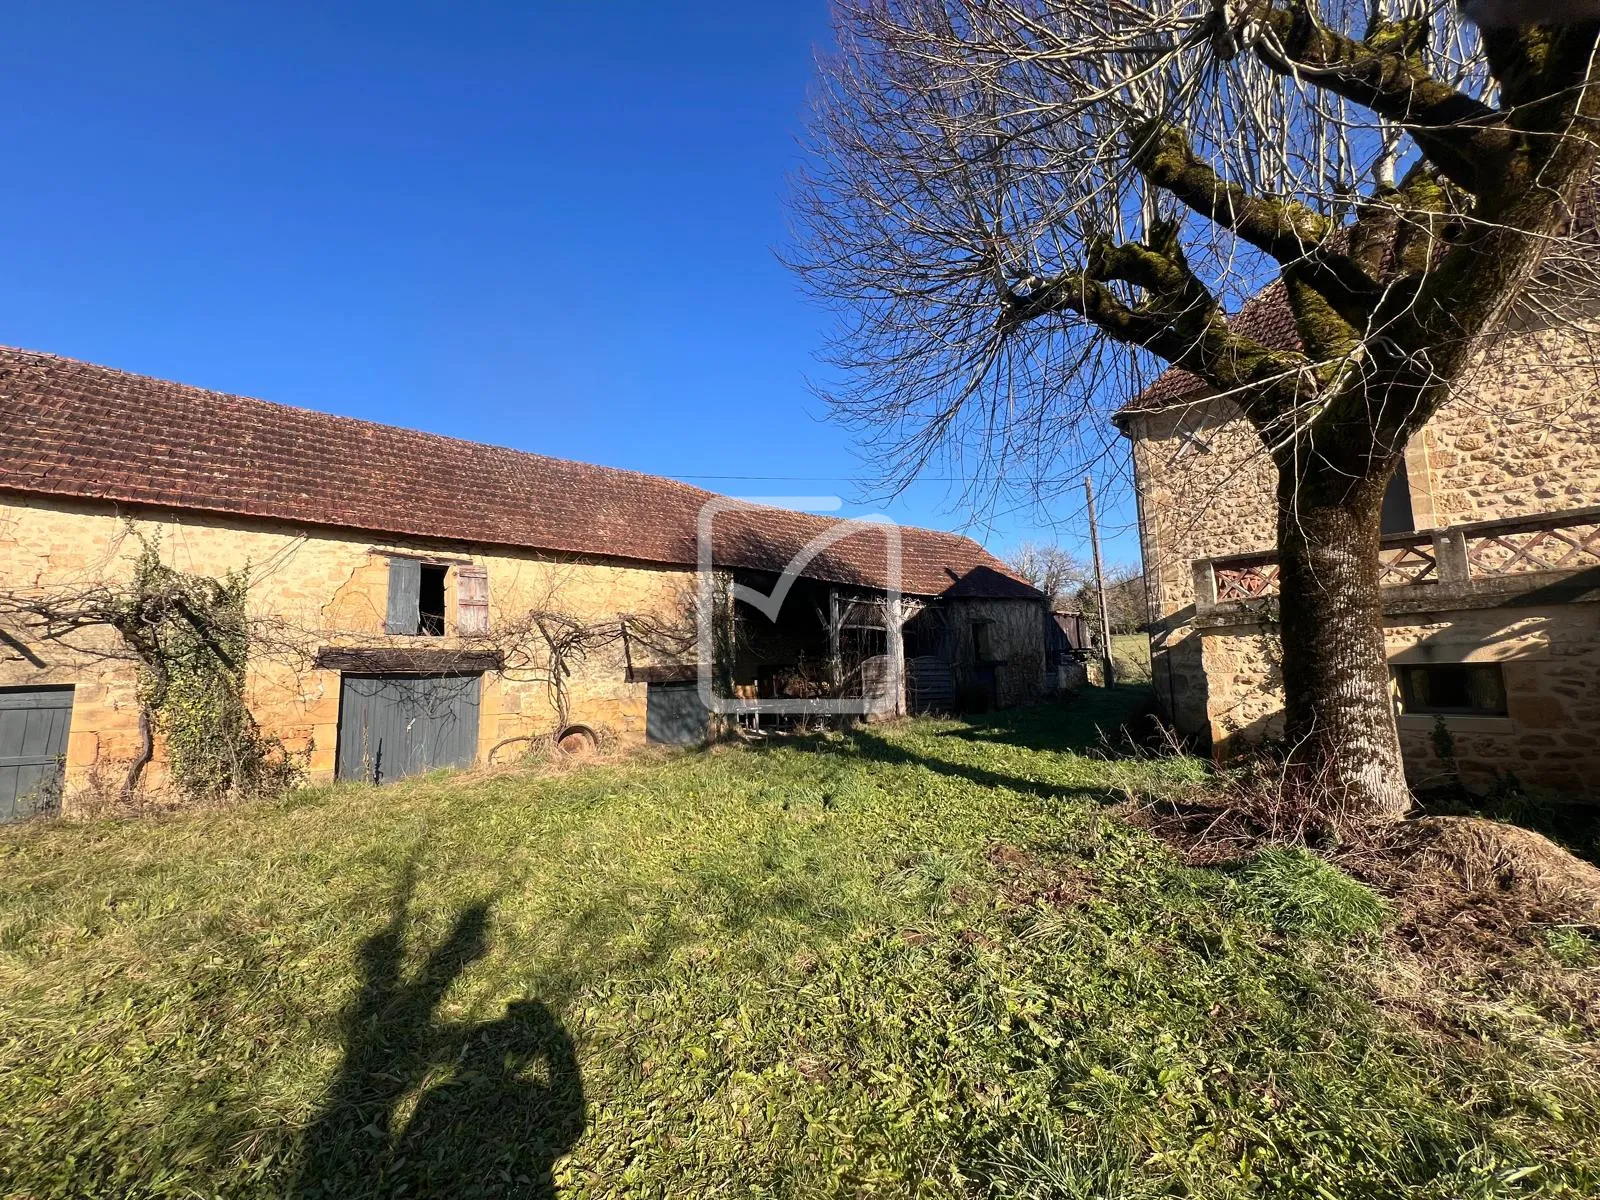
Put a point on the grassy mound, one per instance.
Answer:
(921, 961)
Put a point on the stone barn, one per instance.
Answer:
(415, 591)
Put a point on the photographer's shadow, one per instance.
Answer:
(501, 1100)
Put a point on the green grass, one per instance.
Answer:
(914, 962)
(1130, 657)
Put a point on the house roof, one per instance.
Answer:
(79, 430)
(1266, 317)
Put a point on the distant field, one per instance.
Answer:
(1130, 655)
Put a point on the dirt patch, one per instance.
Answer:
(1466, 883)
(1476, 902)
(1204, 834)
(1027, 879)
(1489, 856)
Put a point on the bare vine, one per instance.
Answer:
(190, 640)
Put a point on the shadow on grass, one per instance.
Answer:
(1098, 723)
(876, 748)
(500, 1101)
(1107, 723)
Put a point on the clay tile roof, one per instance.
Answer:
(74, 429)
(1265, 317)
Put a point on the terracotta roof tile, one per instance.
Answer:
(74, 429)
(1266, 317)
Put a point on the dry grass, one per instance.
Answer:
(928, 960)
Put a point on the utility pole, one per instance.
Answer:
(1107, 672)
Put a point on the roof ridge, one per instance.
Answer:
(92, 431)
(346, 418)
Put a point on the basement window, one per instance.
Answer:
(1453, 689)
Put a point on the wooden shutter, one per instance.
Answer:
(472, 600)
(405, 591)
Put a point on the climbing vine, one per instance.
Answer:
(191, 636)
(191, 639)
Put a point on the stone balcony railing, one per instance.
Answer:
(1491, 557)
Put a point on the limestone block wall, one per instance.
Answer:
(322, 588)
(1550, 661)
(1521, 437)
(1205, 489)
(1243, 667)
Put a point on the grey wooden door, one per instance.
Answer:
(391, 726)
(33, 746)
(674, 715)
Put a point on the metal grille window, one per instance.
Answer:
(1455, 689)
(472, 600)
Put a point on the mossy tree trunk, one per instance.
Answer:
(1344, 750)
(1393, 285)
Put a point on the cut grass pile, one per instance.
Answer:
(922, 961)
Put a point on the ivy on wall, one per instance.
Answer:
(191, 637)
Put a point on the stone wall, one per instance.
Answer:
(1244, 677)
(1205, 490)
(327, 589)
(1550, 662)
(1521, 437)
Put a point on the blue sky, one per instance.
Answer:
(546, 225)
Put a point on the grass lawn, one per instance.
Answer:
(1130, 657)
(925, 961)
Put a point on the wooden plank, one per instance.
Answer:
(392, 726)
(674, 715)
(405, 595)
(33, 744)
(402, 660)
(472, 601)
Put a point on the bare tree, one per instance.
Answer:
(1125, 600)
(1069, 583)
(1023, 209)
(548, 644)
(1054, 571)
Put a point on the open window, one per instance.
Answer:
(430, 601)
(416, 598)
(1452, 689)
(1397, 516)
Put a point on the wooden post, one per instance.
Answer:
(835, 617)
(1108, 672)
(894, 634)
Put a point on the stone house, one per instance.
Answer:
(1491, 558)
(401, 574)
